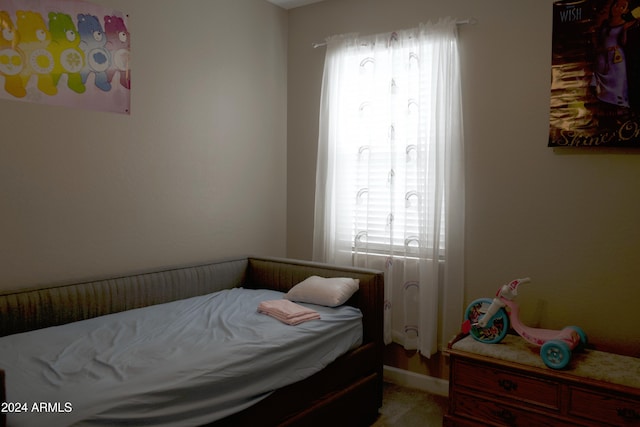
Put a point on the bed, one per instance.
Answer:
(104, 352)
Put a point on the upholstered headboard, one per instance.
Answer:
(27, 309)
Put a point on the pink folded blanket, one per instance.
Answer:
(287, 311)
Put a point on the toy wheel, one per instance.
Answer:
(583, 337)
(555, 354)
(497, 327)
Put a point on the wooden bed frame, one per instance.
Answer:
(347, 392)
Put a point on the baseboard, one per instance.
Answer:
(410, 379)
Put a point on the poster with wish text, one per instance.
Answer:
(595, 74)
(65, 52)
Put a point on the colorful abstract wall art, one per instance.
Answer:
(65, 52)
(595, 74)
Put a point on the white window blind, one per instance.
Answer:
(381, 151)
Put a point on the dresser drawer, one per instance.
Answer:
(501, 382)
(491, 412)
(453, 421)
(607, 408)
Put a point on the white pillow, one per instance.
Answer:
(330, 292)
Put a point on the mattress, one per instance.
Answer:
(187, 362)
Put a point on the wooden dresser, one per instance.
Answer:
(507, 384)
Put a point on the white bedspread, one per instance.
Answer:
(183, 363)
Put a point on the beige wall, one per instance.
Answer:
(196, 172)
(206, 162)
(568, 219)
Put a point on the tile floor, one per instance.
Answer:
(406, 407)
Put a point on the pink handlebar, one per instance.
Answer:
(510, 290)
(509, 293)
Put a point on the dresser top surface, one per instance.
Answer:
(593, 364)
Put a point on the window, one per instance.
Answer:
(390, 167)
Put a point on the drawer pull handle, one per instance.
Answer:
(505, 415)
(508, 385)
(628, 414)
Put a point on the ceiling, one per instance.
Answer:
(290, 4)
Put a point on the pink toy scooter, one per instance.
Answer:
(488, 321)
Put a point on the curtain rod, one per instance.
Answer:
(469, 21)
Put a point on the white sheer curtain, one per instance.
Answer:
(390, 174)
